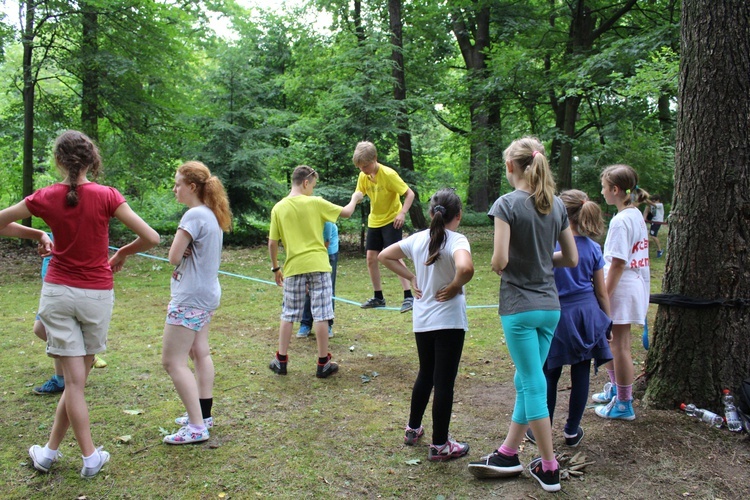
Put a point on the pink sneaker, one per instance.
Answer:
(186, 436)
(448, 451)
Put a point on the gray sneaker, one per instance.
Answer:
(41, 463)
(407, 304)
(89, 472)
(373, 302)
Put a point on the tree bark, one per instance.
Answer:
(28, 104)
(403, 139)
(696, 352)
(90, 71)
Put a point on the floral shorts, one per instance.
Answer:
(188, 317)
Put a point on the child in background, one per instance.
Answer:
(196, 253)
(528, 223)
(77, 296)
(584, 324)
(331, 241)
(654, 214)
(627, 275)
(443, 265)
(56, 383)
(385, 223)
(298, 221)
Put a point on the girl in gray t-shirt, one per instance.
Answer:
(529, 221)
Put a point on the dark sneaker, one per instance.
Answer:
(659, 253)
(327, 369)
(373, 302)
(411, 436)
(89, 472)
(530, 436)
(549, 480)
(407, 304)
(575, 440)
(52, 386)
(41, 463)
(448, 451)
(496, 465)
(278, 367)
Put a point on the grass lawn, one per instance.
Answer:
(298, 436)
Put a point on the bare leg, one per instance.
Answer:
(285, 336)
(204, 364)
(72, 409)
(405, 285)
(374, 270)
(321, 336)
(175, 350)
(623, 359)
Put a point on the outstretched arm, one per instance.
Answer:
(9, 228)
(348, 210)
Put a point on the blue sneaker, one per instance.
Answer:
(304, 331)
(610, 391)
(330, 331)
(616, 410)
(659, 253)
(52, 386)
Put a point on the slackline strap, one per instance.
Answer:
(675, 300)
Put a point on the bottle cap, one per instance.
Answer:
(725, 391)
(682, 406)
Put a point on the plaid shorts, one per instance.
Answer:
(295, 289)
(188, 317)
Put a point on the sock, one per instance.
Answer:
(611, 374)
(323, 361)
(507, 451)
(625, 392)
(92, 460)
(407, 294)
(196, 428)
(58, 378)
(281, 357)
(565, 434)
(49, 453)
(549, 465)
(206, 405)
(379, 294)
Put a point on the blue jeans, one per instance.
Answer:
(307, 318)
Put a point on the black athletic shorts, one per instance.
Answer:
(654, 229)
(379, 238)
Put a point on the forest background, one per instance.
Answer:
(441, 88)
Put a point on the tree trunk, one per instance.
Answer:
(90, 72)
(697, 352)
(403, 140)
(28, 105)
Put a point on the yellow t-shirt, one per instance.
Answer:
(298, 222)
(385, 193)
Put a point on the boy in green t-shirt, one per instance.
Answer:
(298, 221)
(387, 215)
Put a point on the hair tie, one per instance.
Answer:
(583, 202)
(627, 191)
(534, 153)
(438, 208)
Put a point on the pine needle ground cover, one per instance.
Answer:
(299, 436)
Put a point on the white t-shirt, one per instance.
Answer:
(658, 209)
(429, 314)
(627, 239)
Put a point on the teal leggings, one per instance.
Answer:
(528, 336)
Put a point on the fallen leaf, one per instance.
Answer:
(133, 412)
(413, 461)
(124, 439)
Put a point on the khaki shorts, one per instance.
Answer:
(76, 319)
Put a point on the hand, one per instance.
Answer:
(415, 287)
(279, 277)
(117, 261)
(447, 293)
(357, 196)
(398, 222)
(497, 270)
(188, 251)
(44, 247)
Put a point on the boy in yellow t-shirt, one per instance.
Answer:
(298, 221)
(386, 221)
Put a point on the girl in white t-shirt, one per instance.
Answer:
(627, 275)
(443, 265)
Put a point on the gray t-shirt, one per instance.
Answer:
(528, 283)
(195, 281)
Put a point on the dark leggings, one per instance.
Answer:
(579, 392)
(439, 354)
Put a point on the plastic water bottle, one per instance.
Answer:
(730, 412)
(706, 416)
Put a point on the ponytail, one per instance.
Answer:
(583, 213)
(528, 154)
(445, 205)
(211, 191)
(626, 179)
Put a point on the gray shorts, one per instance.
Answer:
(295, 289)
(76, 319)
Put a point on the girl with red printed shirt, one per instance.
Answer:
(77, 296)
(627, 276)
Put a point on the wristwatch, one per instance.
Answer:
(274, 269)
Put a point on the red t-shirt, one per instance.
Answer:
(80, 255)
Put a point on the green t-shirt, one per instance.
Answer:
(297, 221)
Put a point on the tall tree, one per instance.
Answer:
(403, 138)
(698, 351)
